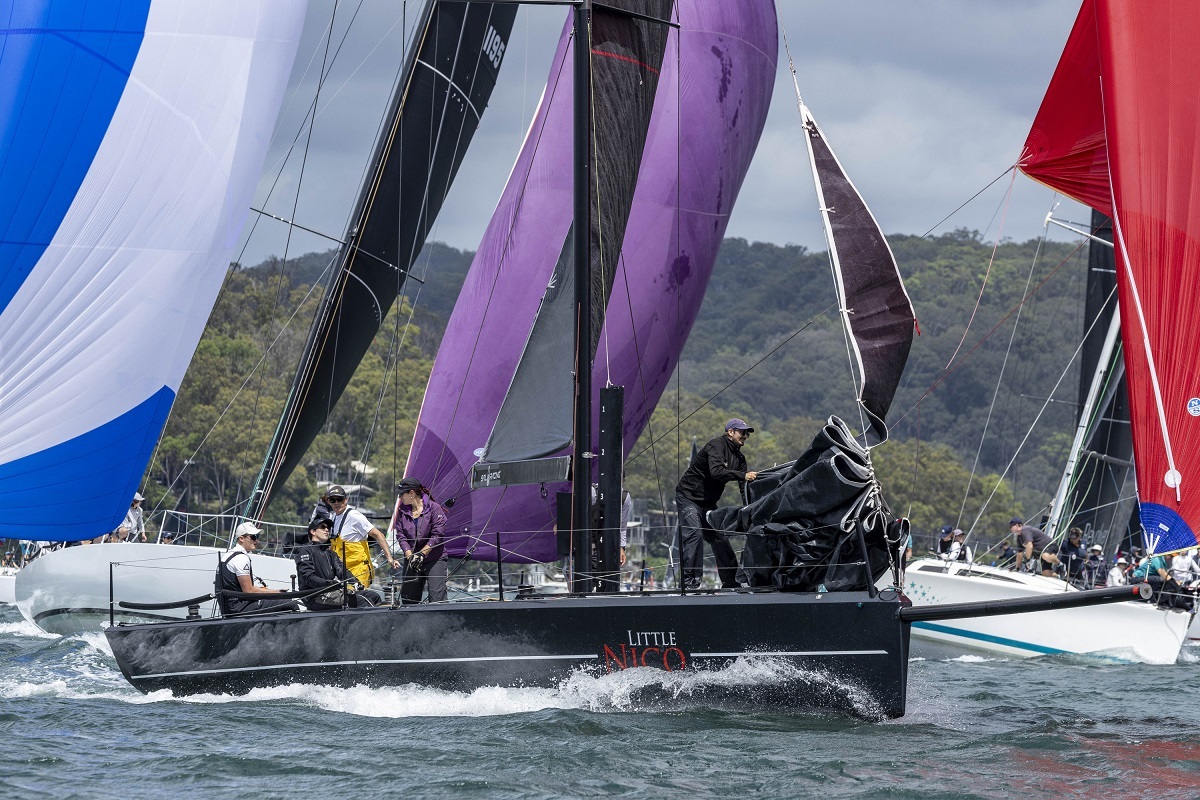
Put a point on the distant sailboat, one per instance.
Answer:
(1117, 132)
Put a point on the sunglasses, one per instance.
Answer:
(253, 536)
(337, 499)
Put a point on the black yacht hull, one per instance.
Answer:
(836, 645)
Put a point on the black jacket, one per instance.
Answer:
(716, 464)
(318, 566)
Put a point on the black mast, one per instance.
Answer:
(582, 473)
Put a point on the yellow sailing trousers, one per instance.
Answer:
(357, 558)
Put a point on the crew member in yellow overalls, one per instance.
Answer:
(350, 530)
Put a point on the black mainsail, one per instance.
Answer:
(433, 114)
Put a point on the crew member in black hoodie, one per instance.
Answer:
(317, 567)
(716, 464)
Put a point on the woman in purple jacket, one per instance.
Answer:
(419, 525)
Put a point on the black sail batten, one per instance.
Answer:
(446, 83)
(627, 52)
(879, 314)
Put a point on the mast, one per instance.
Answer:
(582, 473)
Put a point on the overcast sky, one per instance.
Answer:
(926, 102)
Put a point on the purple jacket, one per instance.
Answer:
(414, 534)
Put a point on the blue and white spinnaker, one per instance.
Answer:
(132, 135)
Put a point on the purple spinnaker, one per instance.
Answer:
(702, 136)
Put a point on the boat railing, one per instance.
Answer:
(216, 530)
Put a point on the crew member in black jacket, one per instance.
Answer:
(716, 464)
(317, 567)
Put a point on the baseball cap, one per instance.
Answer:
(1122, 560)
(1095, 547)
(336, 491)
(947, 530)
(408, 484)
(736, 424)
(247, 528)
(1015, 521)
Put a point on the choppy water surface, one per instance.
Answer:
(70, 726)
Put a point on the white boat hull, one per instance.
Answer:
(8, 585)
(67, 591)
(1136, 632)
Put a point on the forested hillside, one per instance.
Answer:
(767, 346)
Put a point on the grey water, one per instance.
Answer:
(977, 726)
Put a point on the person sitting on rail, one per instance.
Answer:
(234, 574)
(318, 567)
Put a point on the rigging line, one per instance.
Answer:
(988, 272)
(1028, 433)
(324, 73)
(964, 204)
(305, 124)
(637, 348)
(508, 242)
(743, 374)
(1173, 475)
(948, 372)
(245, 382)
(594, 175)
(1003, 365)
(853, 356)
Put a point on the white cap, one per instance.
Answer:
(1095, 547)
(247, 528)
(138, 496)
(1122, 560)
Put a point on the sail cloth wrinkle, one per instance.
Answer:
(123, 191)
(879, 313)
(434, 112)
(1143, 55)
(627, 53)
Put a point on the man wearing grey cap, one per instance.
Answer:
(716, 464)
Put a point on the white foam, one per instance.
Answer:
(624, 690)
(25, 628)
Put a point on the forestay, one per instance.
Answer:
(1117, 131)
(131, 138)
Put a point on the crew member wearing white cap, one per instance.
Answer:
(134, 527)
(714, 465)
(235, 574)
(351, 528)
(1116, 575)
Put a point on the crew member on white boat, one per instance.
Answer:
(1184, 568)
(351, 530)
(945, 542)
(234, 573)
(1032, 542)
(1116, 575)
(1093, 570)
(699, 488)
(959, 551)
(1072, 554)
(134, 525)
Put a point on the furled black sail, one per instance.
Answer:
(536, 417)
(806, 523)
(434, 112)
(879, 314)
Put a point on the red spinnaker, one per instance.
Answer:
(1119, 130)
